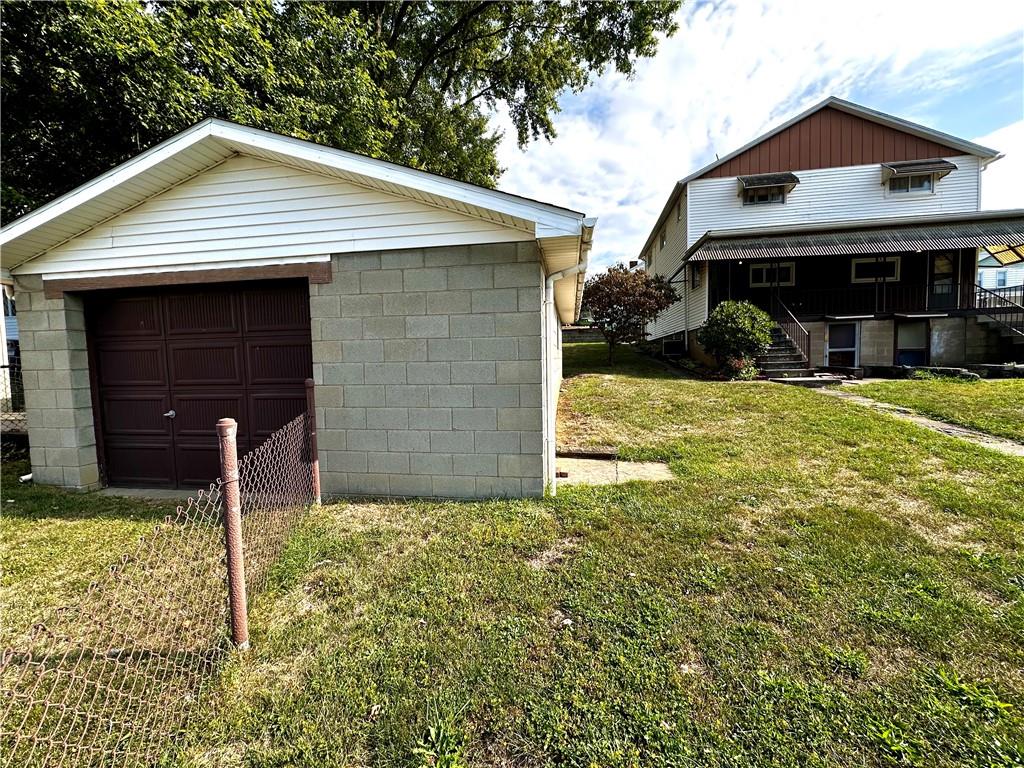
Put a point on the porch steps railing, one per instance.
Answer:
(793, 331)
(1002, 309)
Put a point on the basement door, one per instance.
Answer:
(167, 363)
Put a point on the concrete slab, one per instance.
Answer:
(157, 494)
(610, 471)
(812, 382)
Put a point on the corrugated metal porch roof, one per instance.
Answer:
(1002, 230)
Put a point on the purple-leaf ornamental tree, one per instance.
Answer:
(623, 302)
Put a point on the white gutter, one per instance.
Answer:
(549, 381)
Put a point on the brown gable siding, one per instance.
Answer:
(830, 138)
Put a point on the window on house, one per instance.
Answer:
(662, 239)
(695, 275)
(919, 183)
(768, 275)
(764, 195)
(912, 342)
(1001, 278)
(9, 307)
(872, 270)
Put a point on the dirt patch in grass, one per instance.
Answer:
(554, 555)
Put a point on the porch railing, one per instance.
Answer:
(893, 298)
(792, 327)
(1014, 293)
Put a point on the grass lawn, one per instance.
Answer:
(821, 585)
(54, 543)
(995, 406)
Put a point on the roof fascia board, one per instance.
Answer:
(106, 181)
(548, 217)
(673, 196)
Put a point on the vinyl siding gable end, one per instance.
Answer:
(249, 209)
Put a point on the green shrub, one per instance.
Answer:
(736, 330)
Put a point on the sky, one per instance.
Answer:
(737, 68)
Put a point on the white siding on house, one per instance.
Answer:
(828, 194)
(247, 209)
(665, 262)
(988, 276)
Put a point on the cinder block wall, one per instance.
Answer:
(428, 371)
(816, 332)
(876, 342)
(948, 340)
(983, 344)
(58, 403)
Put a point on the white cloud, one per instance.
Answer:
(731, 72)
(1000, 181)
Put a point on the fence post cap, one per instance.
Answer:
(226, 426)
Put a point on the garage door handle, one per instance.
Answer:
(170, 414)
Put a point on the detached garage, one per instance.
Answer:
(213, 274)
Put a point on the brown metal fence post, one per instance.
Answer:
(314, 456)
(227, 431)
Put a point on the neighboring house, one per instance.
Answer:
(211, 275)
(857, 230)
(9, 330)
(10, 380)
(997, 277)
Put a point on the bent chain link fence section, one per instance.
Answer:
(111, 679)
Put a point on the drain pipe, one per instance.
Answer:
(550, 394)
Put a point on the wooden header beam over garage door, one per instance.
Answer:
(318, 272)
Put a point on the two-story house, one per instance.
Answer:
(858, 231)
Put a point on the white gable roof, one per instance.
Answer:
(561, 232)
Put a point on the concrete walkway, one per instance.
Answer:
(609, 471)
(1001, 444)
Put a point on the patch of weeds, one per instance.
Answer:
(846, 662)
(978, 697)
(443, 743)
(899, 746)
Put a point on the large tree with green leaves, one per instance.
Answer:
(86, 84)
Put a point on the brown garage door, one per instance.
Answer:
(168, 363)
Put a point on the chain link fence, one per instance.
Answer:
(111, 679)
(12, 400)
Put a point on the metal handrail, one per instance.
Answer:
(792, 327)
(1010, 314)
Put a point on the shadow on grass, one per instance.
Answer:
(592, 357)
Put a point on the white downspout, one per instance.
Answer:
(547, 375)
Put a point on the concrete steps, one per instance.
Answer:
(783, 359)
(1016, 337)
